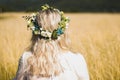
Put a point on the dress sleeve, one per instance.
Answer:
(20, 68)
(81, 67)
(77, 64)
(21, 65)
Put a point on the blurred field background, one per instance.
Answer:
(95, 35)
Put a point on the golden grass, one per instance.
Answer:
(95, 35)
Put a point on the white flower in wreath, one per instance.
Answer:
(33, 16)
(32, 28)
(46, 33)
(28, 21)
(49, 34)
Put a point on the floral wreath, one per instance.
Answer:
(32, 24)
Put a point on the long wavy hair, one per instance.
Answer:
(45, 54)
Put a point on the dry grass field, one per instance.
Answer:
(95, 35)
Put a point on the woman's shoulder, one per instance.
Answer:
(73, 59)
(78, 64)
(26, 54)
(73, 55)
(76, 58)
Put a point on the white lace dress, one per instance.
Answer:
(74, 65)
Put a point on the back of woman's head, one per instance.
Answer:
(49, 19)
(45, 50)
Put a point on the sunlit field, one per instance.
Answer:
(95, 35)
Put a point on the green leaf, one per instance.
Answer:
(54, 35)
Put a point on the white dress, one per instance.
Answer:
(74, 65)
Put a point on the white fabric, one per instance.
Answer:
(74, 65)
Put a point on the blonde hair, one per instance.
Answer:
(44, 60)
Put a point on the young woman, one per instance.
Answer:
(49, 56)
